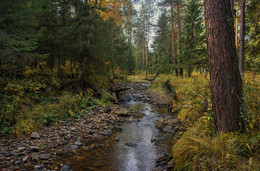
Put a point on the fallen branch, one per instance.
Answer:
(151, 80)
(170, 92)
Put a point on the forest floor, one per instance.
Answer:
(40, 149)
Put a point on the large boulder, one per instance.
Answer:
(125, 97)
(166, 124)
(122, 112)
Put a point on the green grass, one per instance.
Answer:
(201, 147)
(67, 106)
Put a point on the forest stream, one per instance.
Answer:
(135, 146)
(134, 134)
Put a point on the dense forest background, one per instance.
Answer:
(51, 46)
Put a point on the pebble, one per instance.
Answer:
(39, 167)
(78, 143)
(18, 161)
(35, 135)
(35, 157)
(34, 149)
(65, 168)
(44, 156)
(106, 133)
(25, 158)
(131, 144)
(20, 149)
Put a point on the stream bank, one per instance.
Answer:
(105, 133)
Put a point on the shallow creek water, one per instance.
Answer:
(150, 142)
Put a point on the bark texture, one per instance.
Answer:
(232, 7)
(225, 80)
(242, 37)
(179, 35)
(237, 9)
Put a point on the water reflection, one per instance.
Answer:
(151, 144)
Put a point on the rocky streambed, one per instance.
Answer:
(133, 135)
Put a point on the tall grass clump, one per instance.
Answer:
(200, 146)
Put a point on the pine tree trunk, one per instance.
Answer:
(179, 36)
(237, 25)
(232, 7)
(146, 66)
(242, 36)
(173, 43)
(225, 79)
(143, 57)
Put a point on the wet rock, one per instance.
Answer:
(125, 97)
(139, 115)
(118, 129)
(122, 112)
(39, 167)
(153, 140)
(78, 143)
(35, 157)
(115, 139)
(44, 156)
(166, 124)
(25, 158)
(34, 149)
(160, 123)
(131, 144)
(65, 168)
(35, 135)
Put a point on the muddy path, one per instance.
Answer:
(131, 135)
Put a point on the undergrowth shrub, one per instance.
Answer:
(36, 97)
(67, 106)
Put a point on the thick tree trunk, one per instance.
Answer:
(242, 36)
(237, 25)
(225, 80)
(173, 43)
(179, 36)
(232, 7)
